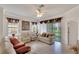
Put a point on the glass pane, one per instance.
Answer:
(13, 28)
(57, 31)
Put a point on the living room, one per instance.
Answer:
(45, 28)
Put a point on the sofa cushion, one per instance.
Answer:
(43, 34)
(14, 41)
(47, 35)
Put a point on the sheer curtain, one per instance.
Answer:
(34, 28)
(42, 28)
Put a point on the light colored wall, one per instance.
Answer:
(72, 14)
(1, 30)
(5, 25)
(1, 23)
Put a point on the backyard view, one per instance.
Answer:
(57, 31)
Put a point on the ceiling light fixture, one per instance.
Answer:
(39, 11)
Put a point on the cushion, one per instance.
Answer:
(47, 36)
(14, 41)
(23, 49)
(43, 34)
(18, 45)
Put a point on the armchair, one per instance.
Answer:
(19, 46)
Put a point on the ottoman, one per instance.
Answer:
(23, 50)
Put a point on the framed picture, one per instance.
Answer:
(25, 25)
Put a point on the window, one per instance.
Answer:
(13, 26)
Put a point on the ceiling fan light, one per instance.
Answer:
(40, 14)
(39, 11)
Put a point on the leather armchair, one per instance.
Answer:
(19, 46)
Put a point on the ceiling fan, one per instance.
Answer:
(39, 11)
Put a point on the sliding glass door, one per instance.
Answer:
(57, 31)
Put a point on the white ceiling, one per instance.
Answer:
(28, 10)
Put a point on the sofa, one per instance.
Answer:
(28, 36)
(25, 37)
(46, 38)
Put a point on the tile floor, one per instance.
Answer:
(43, 48)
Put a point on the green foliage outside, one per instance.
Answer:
(57, 34)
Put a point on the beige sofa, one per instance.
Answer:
(25, 37)
(46, 38)
(28, 36)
